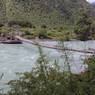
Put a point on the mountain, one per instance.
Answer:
(39, 12)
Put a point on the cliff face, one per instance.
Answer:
(49, 12)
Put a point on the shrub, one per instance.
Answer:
(43, 26)
(20, 23)
(83, 27)
(1, 25)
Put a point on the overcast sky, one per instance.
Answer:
(91, 1)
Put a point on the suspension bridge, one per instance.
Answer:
(34, 42)
(53, 46)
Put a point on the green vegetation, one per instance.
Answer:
(85, 27)
(20, 23)
(63, 33)
(38, 12)
(59, 17)
(50, 19)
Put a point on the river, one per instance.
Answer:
(22, 58)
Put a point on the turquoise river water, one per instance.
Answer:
(22, 58)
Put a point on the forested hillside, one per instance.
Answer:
(39, 12)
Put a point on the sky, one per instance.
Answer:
(91, 1)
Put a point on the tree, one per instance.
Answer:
(43, 32)
(93, 30)
(83, 26)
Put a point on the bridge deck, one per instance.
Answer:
(54, 47)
